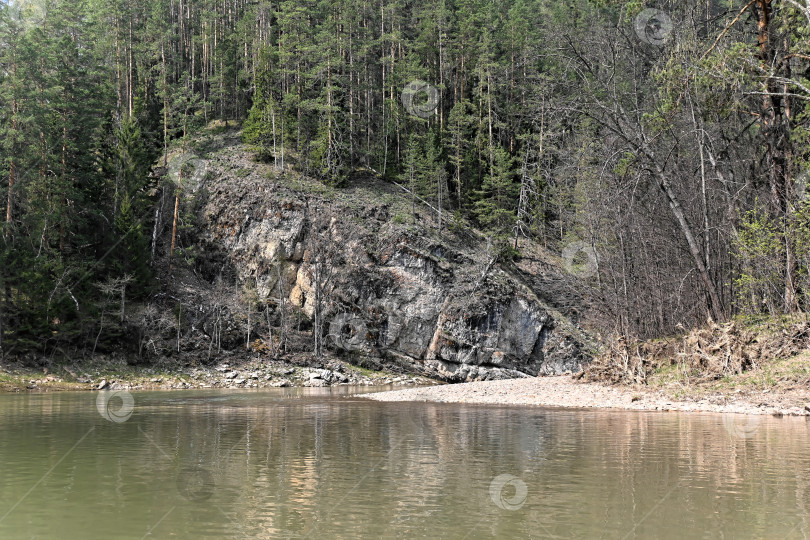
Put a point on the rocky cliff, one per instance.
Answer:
(384, 285)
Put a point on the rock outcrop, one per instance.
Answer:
(427, 302)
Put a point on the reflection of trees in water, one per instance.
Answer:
(329, 467)
(697, 467)
(289, 466)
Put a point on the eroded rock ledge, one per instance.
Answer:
(421, 301)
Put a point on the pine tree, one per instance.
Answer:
(133, 162)
(460, 126)
(432, 175)
(412, 168)
(496, 207)
(262, 129)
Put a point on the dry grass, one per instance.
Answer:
(706, 355)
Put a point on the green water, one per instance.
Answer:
(321, 463)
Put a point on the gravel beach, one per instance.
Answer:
(564, 391)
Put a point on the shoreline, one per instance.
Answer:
(564, 392)
(254, 374)
(548, 391)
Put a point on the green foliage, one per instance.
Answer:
(625, 164)
(760, 249)
(496, 206)
(799, 237)
(457, 223)
(262, 129)
(129, 257)
(555, 105)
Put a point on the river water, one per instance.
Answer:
(323, 463)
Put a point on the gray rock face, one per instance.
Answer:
(430, 304)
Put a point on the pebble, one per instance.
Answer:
(259, 373)
(563, 391)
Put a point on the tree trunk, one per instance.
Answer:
(174, 222)
(775, 129)
(715, 306)
(156, 226)
(12, 175)
(165, 108)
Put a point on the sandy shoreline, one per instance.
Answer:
(563, 391)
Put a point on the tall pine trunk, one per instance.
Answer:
(174, 221)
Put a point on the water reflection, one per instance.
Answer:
(310, 464)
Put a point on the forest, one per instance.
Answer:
(661, 148)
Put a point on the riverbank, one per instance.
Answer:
(256, 373)
(751, 393)
(564, 391)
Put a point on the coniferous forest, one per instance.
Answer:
(663, 145)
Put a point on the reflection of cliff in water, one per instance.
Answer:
(327, 468)
(296, 464)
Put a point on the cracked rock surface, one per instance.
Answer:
(417, 299)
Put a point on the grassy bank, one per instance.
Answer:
(780, 379)
(763, 360)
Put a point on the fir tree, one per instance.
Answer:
(497, 202)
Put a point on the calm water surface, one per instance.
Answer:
(321, 463)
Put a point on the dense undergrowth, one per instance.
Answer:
(762, 352)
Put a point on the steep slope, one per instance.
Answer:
(400, 292)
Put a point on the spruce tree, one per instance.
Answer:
(496, 207)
